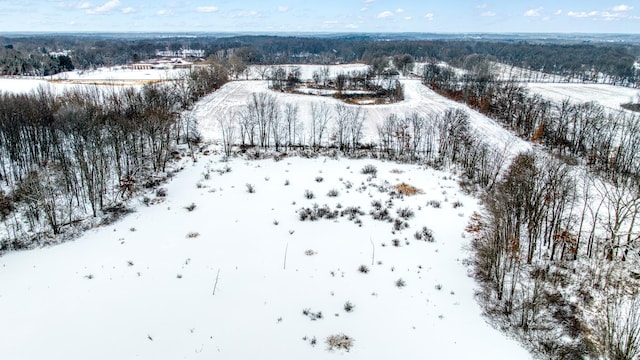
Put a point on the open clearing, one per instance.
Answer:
(607, 95)
(143, 287)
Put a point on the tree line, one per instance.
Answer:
(615, 60)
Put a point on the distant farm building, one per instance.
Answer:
(162, 65)
(182, 53)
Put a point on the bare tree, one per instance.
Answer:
(320, 117)
(291, 122)
(228, 129)
(619, 328)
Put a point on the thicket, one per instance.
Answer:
(557, 244)
(76, 156)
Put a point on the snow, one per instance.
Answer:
(506, 72)
(607, 95)
(120, 73)
(233, 97)
(141, 288)
(306, 71)
(103, 77)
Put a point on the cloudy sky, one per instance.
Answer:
(590, 16)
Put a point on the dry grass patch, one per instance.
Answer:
(397, 171)
(406, 189)
(339, 342)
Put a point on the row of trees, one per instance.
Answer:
(65, 158)
(606, 140)
(266, 123)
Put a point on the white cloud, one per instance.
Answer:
(128, 10)
(400, 10)
(582, 14)
(351, 26)
(105, 8)
(533, 12)
(488, 14)
(248, 13)
(622, 7)
(364, 9)
(607, 16)
(283, 9)
(83, 5)
(207, 9)
(483, 6)
(164, 12)
(384, 14)
(429, 16)
(408, 18)
(559, 12)
(369, 1)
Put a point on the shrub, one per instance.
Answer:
(309, 194)
(352, 211)
(316, 213)
(224, 170)
(333, 193)
(405, 213)
(340, 342)
(319, 179)
(312, 315)
(309, 252)
(434, 203)
(380, 214)
(363, 269)
(401, 283)
(251, 188)
(348, 306)
(369, 170)
(425, 234)
(161, 192)
(190, 207)
(395, 242)
(457, 204)
(192, 235)
(398, 225)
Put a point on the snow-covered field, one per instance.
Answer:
(508, 73)
(233, 97)
(143, 288)
(231, 277)
(607, 95)
(121, 73)
(102, 77)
